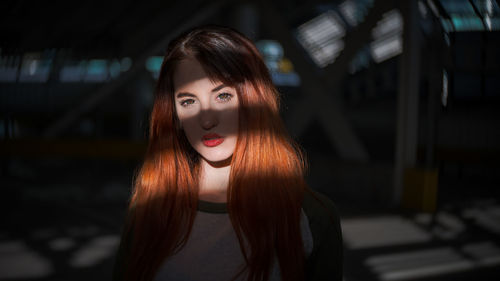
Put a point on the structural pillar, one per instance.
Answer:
(408, 98)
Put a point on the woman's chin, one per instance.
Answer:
(218, 163)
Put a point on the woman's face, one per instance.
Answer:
(207, 111)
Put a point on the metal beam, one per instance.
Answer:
(318, 101)
(478, 14)
(95, 98)
(354, 41)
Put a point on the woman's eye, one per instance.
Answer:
(225, 97)
(187, 102)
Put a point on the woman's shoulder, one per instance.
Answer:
(326, 259)
(319, 209)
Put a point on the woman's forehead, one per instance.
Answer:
(190, 75)
(187, 71)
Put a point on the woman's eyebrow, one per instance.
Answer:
(186, 94)
(182, 95)
(218, 87)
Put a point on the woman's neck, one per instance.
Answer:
(214, 180)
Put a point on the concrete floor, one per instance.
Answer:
(61, 220)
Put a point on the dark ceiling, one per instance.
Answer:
(108, 28)
(92, 28)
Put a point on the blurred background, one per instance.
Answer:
(394, 102)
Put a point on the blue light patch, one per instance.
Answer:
(153, 64)
(467, 23)
(97, 71)
(114, 69)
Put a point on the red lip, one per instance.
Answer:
(212, 140)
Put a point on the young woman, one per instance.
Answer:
(221, 194)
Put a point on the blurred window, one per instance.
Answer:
(322, 37)
(35, 67)
(354, 11)
(387, 36)
(9, 66)
(475, 15)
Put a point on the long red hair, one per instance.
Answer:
(266, 184)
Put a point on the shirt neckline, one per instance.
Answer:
(212, 207)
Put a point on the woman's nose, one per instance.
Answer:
(208, 119)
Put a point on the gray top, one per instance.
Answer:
(212, 251)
